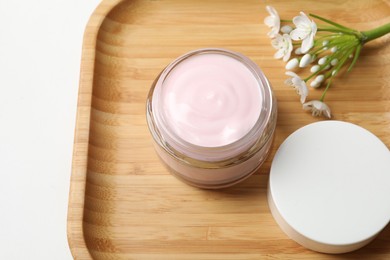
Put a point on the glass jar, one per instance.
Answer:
(214, 88)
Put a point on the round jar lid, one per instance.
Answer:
(329, 186)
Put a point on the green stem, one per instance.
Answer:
(285, 21)
(326, 89)
(330, 22)
(337, 30)
(357, 53)
(376, 33)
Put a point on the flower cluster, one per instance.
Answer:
(326, 48)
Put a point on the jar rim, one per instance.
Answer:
(214, 153)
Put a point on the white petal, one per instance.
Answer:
(292, 74)
(313, 28)
(279, 54)
(273, 33)
(301, 20)
(277, 42)
(303, 99)
(288, 82)
(298, 84)
(327, 112)
(307, 44)
(286, 56)
(287, 47)
(301, 88)
(298, 34)
(272, 21)
(269, 21)
(308, 105)
(271, 10)
(317, 104)
(304, 92)
(293, 63)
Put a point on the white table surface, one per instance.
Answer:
(40, 51)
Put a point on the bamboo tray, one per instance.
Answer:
(124, 204)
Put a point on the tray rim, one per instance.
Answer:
(75, 234)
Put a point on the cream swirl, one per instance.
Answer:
(211, 100)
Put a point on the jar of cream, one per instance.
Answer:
(212, 115)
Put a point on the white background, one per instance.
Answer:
(40, 51)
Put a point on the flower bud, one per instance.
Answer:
(292, 64)
(286, 29)
(334, 61)
(320, 78)
(315, 84)
(306, 59)
(324, 43)
(322, 60)
(334, 49)
(327, 67)
(314, 68)
(334, 72)
(298, 51)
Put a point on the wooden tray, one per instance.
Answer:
(123, 203)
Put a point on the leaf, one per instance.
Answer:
(356, 56)
(331, 22)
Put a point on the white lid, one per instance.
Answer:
(329, 186)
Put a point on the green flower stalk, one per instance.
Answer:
(332, 46)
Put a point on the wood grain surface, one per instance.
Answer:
(124, 204)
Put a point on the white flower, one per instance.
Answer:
(272, 21)
(305, 31)
(284, 46)
(317, 108)
(300, 86)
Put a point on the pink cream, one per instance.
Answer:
(211, 100)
